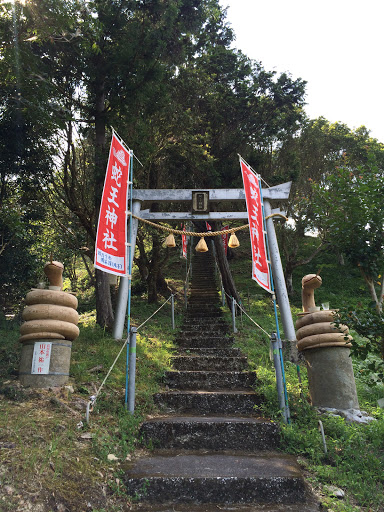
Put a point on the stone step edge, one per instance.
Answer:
(212, 478)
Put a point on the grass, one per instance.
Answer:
(45, 457)
(49, 461)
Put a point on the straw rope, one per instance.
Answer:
(191, 233)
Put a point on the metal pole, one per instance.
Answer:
(234, 314)
(132, 370)
(279, 376)
(173, 310)
(279, 281)
(122, 298)
(185, 296)
(222, 294)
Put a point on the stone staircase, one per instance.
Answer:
(209, 449)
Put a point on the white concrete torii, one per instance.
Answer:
(278, 192)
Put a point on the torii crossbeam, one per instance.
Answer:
(142, 196)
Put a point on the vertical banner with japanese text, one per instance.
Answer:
(184, 244)
(252, 189)
(111, 238)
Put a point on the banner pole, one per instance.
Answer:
(281, 372)
(279, 282)
(122, 299)
(129, 277)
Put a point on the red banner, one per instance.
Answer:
(252, 188)
(184, 242)
(110, 252)
(225, 239)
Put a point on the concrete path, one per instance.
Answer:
(211, 451)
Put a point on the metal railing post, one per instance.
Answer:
(222, 295)
(132, 370)
(234, 314)
(173, 310)
(279, 377)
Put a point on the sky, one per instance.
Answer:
(336, 46)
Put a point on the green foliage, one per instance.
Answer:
(348, 208)
(10, 348)
(312, 160)
(369, 325)
(354, 458)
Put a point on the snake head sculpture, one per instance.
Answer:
(54, 271)
(309, 284)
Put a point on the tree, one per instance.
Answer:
(26, 159)
(349, 214)
(309, 158)
(107, 63)
(164, 75)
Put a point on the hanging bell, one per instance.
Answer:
(201, 246)
(233, 241)
(170, 241)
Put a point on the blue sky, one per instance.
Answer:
(337, 46)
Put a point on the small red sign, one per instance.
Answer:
(184, 242)
(225, 239)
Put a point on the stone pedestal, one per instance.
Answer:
(58, 373)
(330, 378)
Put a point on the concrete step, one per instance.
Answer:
(209, 363)
(203, 312)
(204, 325)
(203, 285)
(198, 295)
(203, 402)
(204, 321)
(209, 329)
(210, 433)
(215, 478)
(204, 299)
(308, 504)
(219, 352)
(195, 340)
(214, 381)
(204, 302)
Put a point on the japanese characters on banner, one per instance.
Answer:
(252, 188)
(110, 252)
(184, 243)
(41, 357)
(225, 239)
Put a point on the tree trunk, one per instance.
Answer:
(104, 312)
(154, 269)
(372, 291)
(289, 283)
(226, 276)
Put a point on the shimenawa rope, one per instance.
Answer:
(204, 234)
(191, 233)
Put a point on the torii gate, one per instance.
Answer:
(199, 199)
